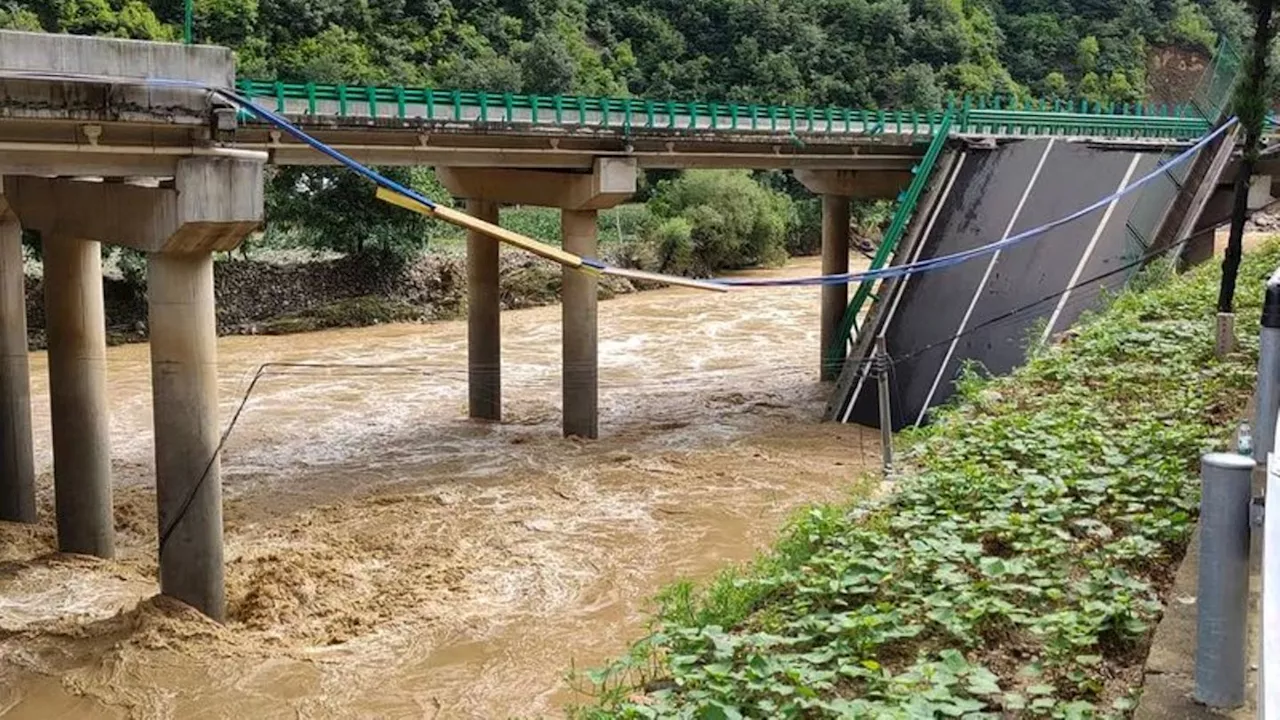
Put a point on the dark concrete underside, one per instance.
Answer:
(930, 337)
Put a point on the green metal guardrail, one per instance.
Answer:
(972, 116)
(889, 244)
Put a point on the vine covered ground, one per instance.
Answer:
(1019, 568)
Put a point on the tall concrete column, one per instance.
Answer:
(184, 374)
(578, 298)
(17, 466)
(835, 260)
(484, 335)
(76, 328)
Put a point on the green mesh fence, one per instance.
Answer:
(1211, 101)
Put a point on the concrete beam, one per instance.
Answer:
(502, 151)
(213, 205)
(17, 464)
(578, 309)
(862, 184)
(835, 298)
(76, 326)
(97, 98)
(1218, 207)
(136, 59)
(85, 164)
(484, 318)
(184, 382)
(610, 183)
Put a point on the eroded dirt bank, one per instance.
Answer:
(268, 298)
(387, 558)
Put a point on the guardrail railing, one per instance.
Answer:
(988, 116)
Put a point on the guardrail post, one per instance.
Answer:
(1223, 590)
(1268, 400)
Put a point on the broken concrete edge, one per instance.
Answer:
(208, 65)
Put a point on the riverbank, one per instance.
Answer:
(1020, 568)
(256, 297)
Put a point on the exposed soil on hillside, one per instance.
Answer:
(1174, 74)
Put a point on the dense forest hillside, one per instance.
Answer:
(862, 53)
(844, 52)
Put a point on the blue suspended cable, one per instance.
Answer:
(965, 255)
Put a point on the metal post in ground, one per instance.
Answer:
(886, 411)
(1268, 401)
(1223, 590)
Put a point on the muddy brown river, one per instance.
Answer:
(388, 558)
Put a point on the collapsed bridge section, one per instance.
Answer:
(991, 310)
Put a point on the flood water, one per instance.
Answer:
(388, 558)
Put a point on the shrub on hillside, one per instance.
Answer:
(711, 220)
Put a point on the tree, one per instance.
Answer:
(13, 17)
(733, 222)
(1055, 86)
(1087, 54)
(228, 22)
(1091, 89)
(1251, 105)
(549, 67)
(136, 20)
(1190, 26)
(1120, 90)
(335, 209)
(335, 55)
(918, 88)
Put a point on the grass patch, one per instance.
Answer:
(1019, 569)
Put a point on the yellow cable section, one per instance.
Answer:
(468, 222)
(550, 252)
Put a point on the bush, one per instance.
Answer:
(539, 223)
(804, 232)
(613, 226)
(673, 242)
(333, 209)
(733, 222)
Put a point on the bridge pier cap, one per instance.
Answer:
(213, 205)
(860, 184)
(610, 182)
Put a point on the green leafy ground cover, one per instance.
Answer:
(1019, 568)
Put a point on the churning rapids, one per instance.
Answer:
(388, 558)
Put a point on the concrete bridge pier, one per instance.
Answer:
(836, 187)
(184, 386)
(211, 205)
(835, 298)
(580, 374)
(17, 466)
(77, 340)
(579, 195)
(484, 318)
